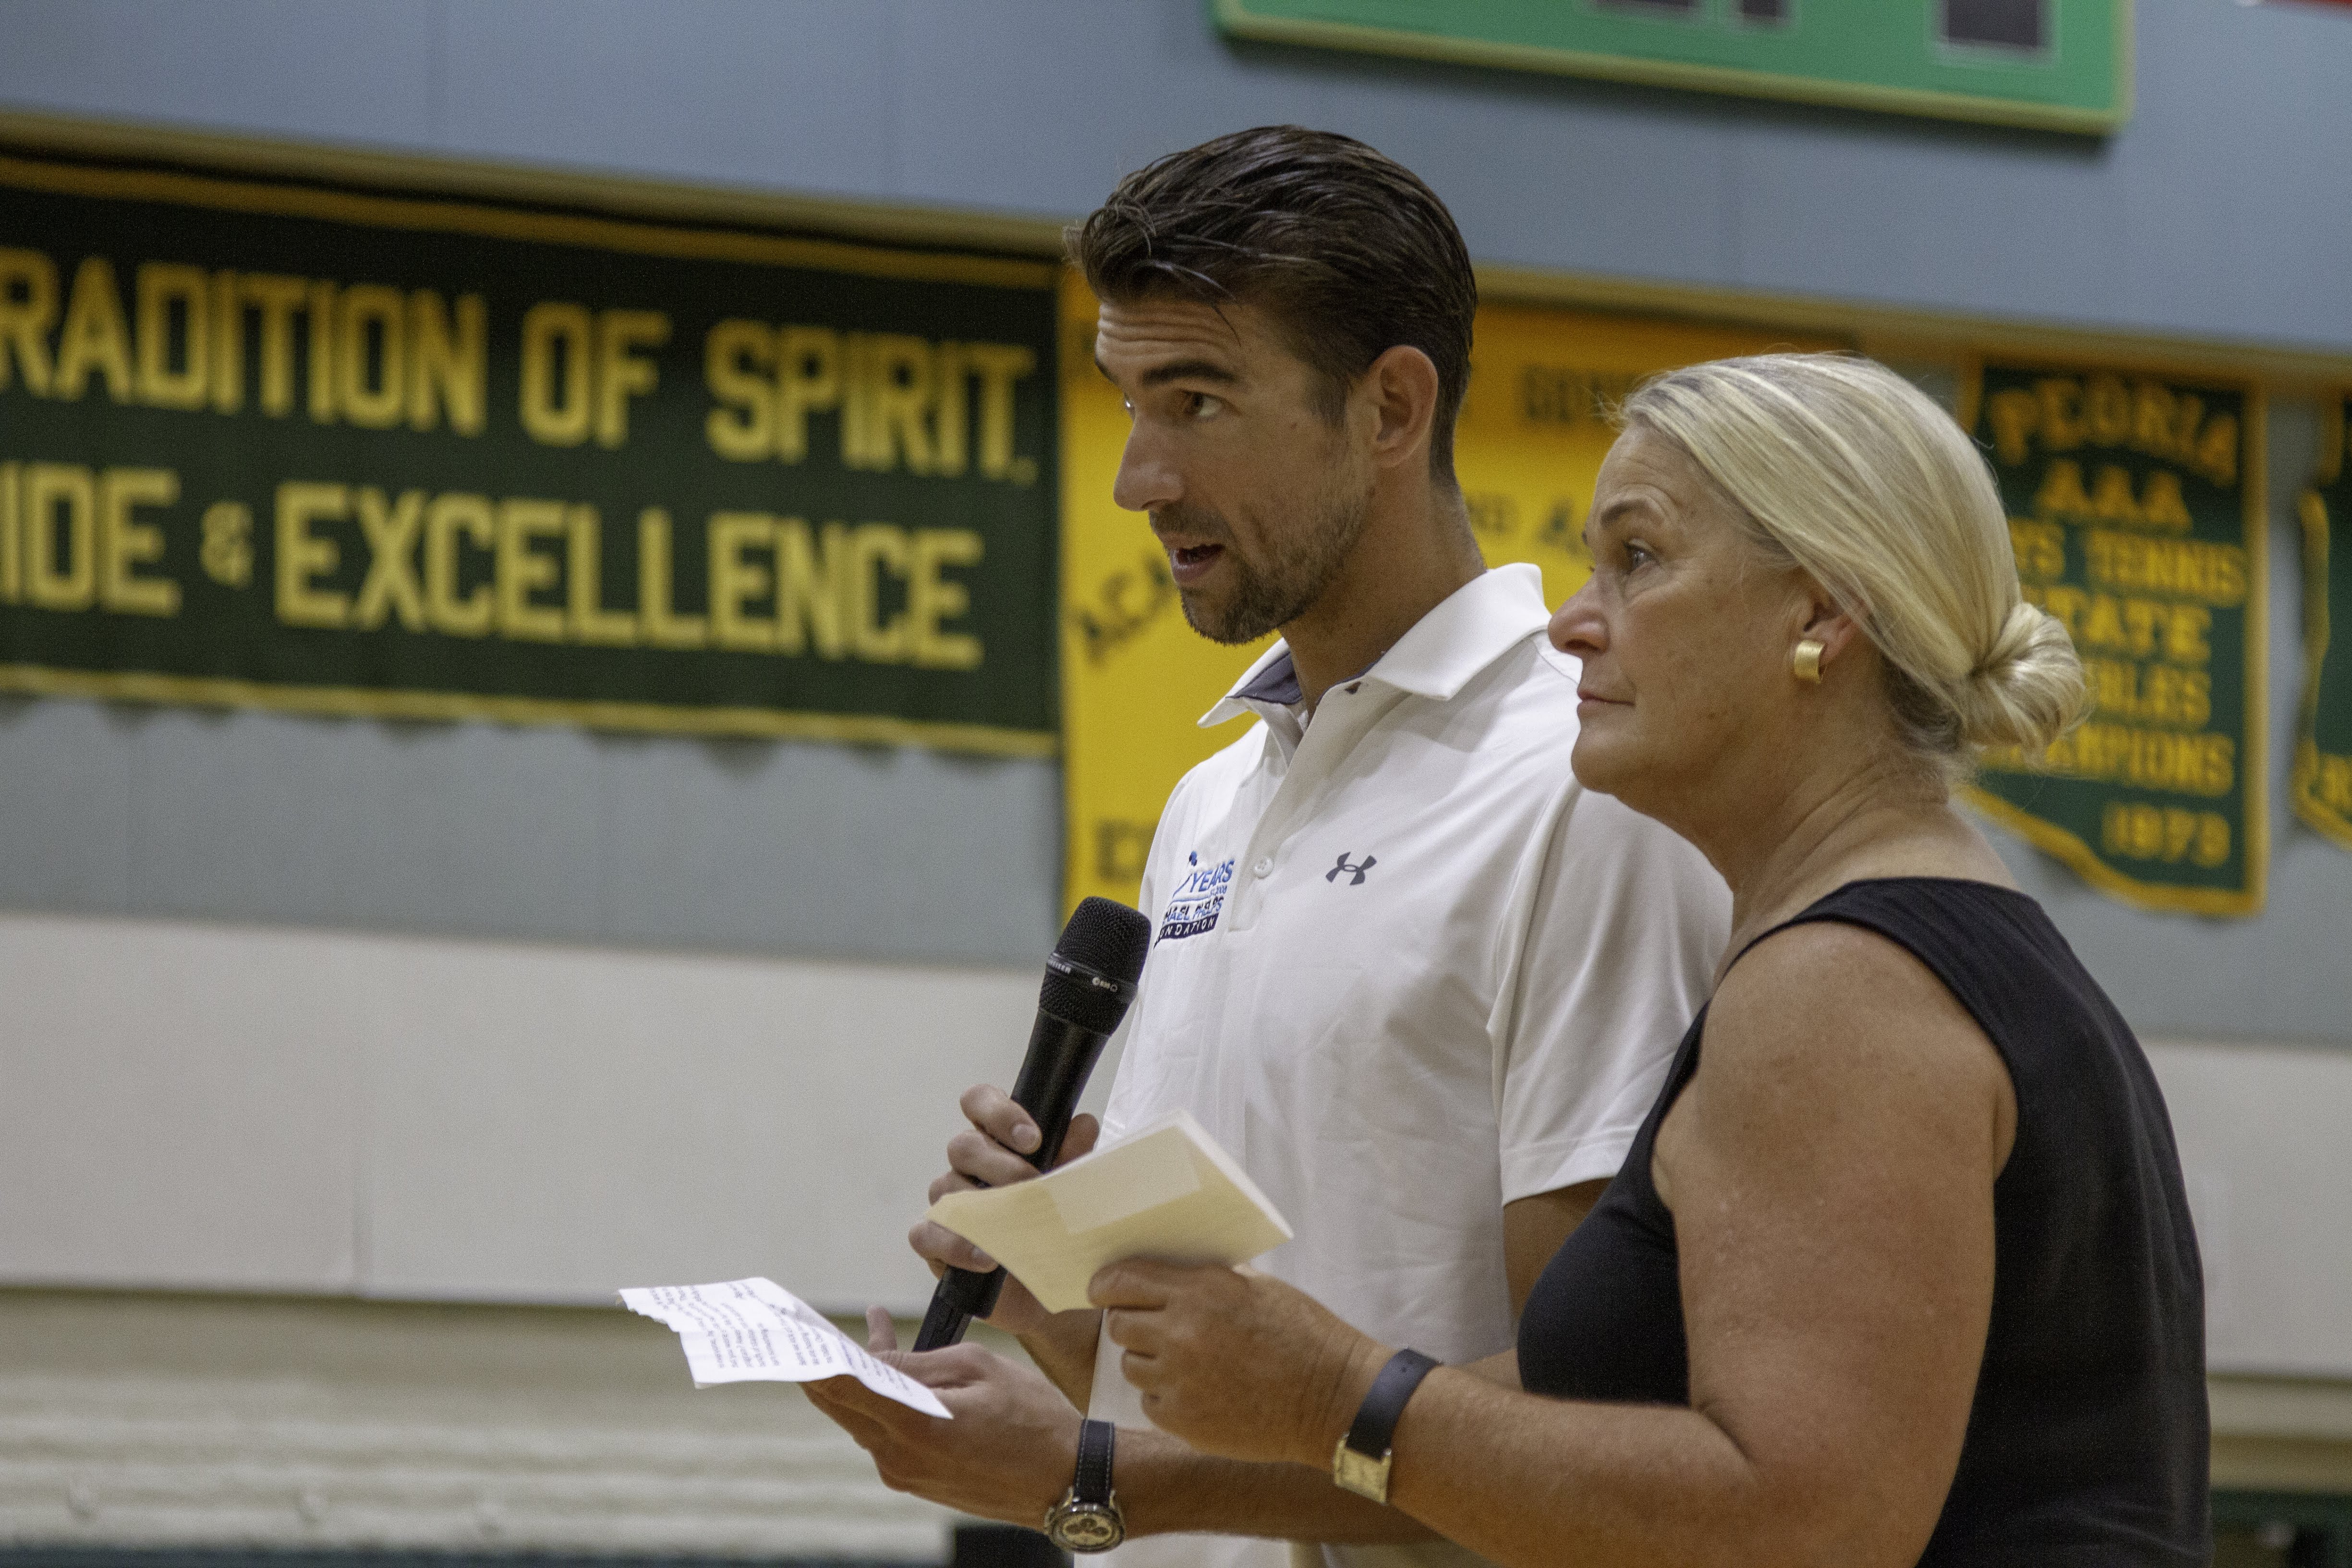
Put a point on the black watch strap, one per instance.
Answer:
(1377, 1417)
(1096, 1441)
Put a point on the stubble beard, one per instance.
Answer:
(1260, 601)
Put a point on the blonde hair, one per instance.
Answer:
(1846, 470)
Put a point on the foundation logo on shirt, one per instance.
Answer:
(1199, 899)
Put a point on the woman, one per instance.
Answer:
(1899, 1269)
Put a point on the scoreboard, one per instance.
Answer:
(2061, 65)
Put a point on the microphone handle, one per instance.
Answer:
(1053, 1073)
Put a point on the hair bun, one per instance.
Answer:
(2028, 689)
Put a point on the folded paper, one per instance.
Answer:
(1165, 1191)
(748, 1330)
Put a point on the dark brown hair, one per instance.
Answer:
(1347, 251)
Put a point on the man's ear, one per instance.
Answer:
(1401, 390)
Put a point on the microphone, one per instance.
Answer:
(1089, 981)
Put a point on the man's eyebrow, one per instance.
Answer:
(1189, 370)
(1178, 370)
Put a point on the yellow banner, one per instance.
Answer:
(1135, 677)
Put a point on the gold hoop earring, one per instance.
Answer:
(1807, 664)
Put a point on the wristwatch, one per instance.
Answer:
(1361, 1462)
(1087, 1518)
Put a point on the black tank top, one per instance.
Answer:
(2088, 1442)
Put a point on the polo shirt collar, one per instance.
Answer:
(1470, 629)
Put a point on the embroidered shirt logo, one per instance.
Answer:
(1355, 873)
(1198, 900)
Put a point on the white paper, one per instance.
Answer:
(747, 1330)
(1165, 1191)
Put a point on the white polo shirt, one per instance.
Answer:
(1407, 970)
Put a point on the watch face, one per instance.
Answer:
(1086, 1526)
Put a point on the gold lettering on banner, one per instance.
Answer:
(2061, 415)
(149, 291)
(998, 366)
(524, 572)
(737, 580)
(71, 538)
(448, 365)
(304, 556)
(903, 402)
(228, 343)
(951, 414)
(28, 308)
(2169, 834)
(590, 622)
(453, 521)
(621, 372)
(739, 368)
(664, 627)
(12, 537)
(812, 583)
(275, 300)
(225, 551)
(2140, 544)
(932, 598)
(319, 325)
(898, 404)
(808, 381)
(2040, 547)
(557, 404)
(371, 356)
(174, 337)
(95, 336)
(60, 568)
(580, 370)
(375, 356)
(391, 529)
(2331, 779)
(125, 544)
(875, 547)
(2182, 569)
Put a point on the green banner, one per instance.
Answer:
(2322, 782)
(2061, 64)
(2135, 506)
(333, 451)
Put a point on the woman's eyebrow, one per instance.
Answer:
(1616, 510)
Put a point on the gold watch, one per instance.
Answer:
(1087, 1518)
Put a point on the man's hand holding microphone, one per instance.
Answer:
(1013, 1459)
(995, 1151)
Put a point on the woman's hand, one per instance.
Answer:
(1235, 1362)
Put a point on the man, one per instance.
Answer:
(1421, 984)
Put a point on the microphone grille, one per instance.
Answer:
(1109, 938)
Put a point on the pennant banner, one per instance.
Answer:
(337, 451)
(2321, 782)
(1136, 677)
(2136, 509)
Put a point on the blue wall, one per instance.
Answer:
(2209, 214)
(2214, 214)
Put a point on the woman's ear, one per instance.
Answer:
(1826, 622)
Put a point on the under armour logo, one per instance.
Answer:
(1355, 873)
